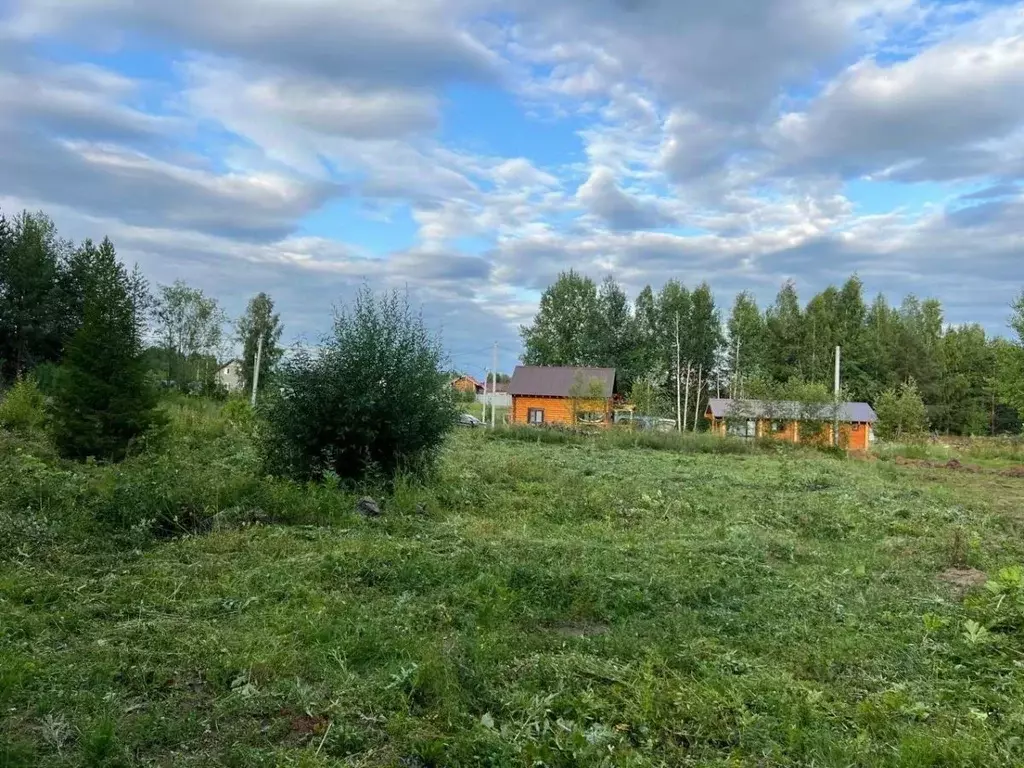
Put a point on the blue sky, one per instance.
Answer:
(467, 151)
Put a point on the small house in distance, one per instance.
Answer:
(561, 395)
(781, 420)
(229, 376)
(467, 385)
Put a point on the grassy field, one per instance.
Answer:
(573, 603)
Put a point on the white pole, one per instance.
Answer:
(835, 423)
(700, 388)
(686, 407)
(679, 376)
(256, 371)
(494, 382)
(736, 373)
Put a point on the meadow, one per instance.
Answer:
(542, 600)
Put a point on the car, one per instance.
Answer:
(469, 420)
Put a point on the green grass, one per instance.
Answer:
(997, 452)
(580, 603)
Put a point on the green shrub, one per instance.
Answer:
(901, 413)
(374, 401)
(23, 407)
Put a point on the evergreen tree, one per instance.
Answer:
(31, 308)
(259, 320)
(103, 400)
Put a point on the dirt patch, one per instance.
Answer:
(580, 629)
(963, 579)
(307, 725)
(955, 465)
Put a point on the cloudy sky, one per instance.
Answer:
(469, 150)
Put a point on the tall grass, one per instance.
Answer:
(686, 442)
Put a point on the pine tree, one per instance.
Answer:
(103, 401)
(31, 311)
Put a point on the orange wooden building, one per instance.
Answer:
(467, 384)
(792, 421)
(561, 395)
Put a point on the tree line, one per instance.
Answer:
(85, 347)
(100, 342)
(45, 281)
(969, 382)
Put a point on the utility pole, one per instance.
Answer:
(736, 394)
(700, 388)
(494, 382)
(256, 371)
(679, 376)
(686, 408)
(835, 422)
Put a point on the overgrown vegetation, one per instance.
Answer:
(373, 401)
(901, 413)
(588, 602)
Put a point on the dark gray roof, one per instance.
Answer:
(789, 409)
(554, 381)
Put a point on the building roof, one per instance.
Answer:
(788, 409)
(467, 377)
(229, 362)
(559, 381)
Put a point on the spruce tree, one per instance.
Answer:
(103, 400)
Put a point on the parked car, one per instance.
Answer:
(469, 420)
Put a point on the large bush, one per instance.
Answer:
(374, 399)
(901, 413)
(23, 406)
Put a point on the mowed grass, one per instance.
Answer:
(573, 604)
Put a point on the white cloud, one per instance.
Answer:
(953, 97)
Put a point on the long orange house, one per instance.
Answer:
(781, 420)
(566, 395)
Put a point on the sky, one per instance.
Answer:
(467, 151)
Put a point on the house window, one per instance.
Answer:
(778, 426)
(747, 428)
(535, 416)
